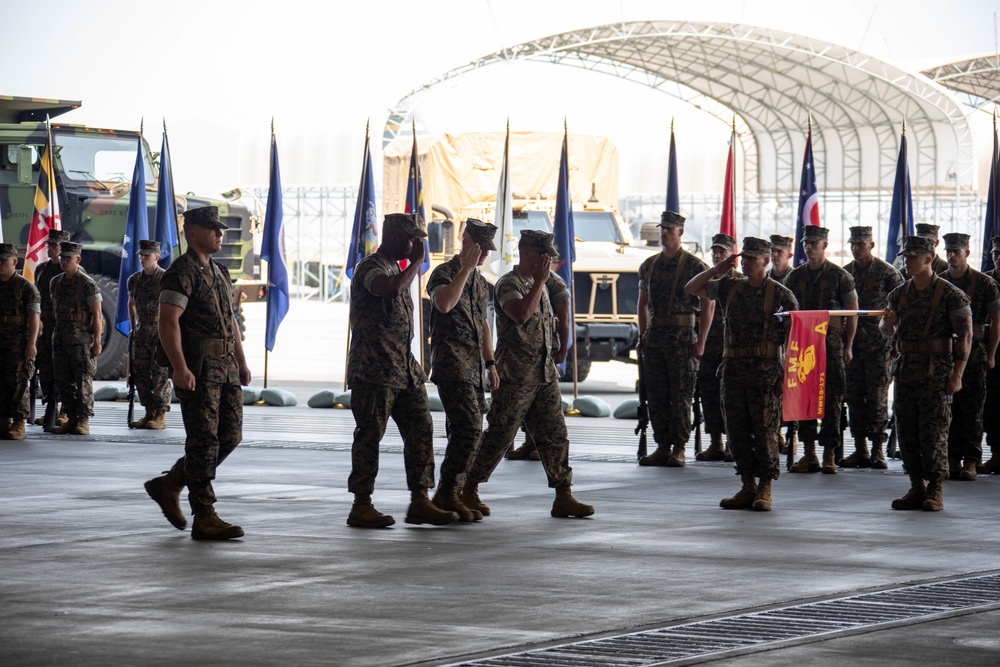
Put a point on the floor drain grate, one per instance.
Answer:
(756, 629)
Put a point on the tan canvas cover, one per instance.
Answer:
(463, 169)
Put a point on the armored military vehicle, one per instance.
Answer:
(92, 171)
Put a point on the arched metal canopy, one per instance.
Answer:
(979, 78)
(772, 81)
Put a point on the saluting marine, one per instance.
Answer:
(152, 381)
(19, 319)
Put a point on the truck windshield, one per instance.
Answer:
(596, 226)
(531, 220)
(99, 158)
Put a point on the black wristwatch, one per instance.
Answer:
(490, 362)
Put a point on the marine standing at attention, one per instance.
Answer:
(19, 320)
(152, 381)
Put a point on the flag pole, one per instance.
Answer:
(355, 236)
(173, 192)
(418, 187)
(572, 286)
(906, 191)
(838, 313)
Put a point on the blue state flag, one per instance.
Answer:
(364, 233)
(808, 201)
(901, 211)
(415, 198)
(991, 227)
(272, 250)
(565, 232)
(136, 229)
(165, 229)
(673, 196)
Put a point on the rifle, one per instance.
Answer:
(131, 385)
(33, 394)
(791, 435)
(696, 405)
(642, 413)
(51, 406)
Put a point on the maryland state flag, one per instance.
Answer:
(804, 391)
(46, 213)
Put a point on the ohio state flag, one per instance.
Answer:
(804, 390)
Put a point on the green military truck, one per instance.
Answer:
(93, 167)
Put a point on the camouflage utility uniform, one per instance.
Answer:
(43, 281)
(669, 370)
(151, 379)
(991, 407)
(386, 381)
(213, 412)
(752, 369)
(18, 300)
(868, 374)
(709, 385)
(73, 362)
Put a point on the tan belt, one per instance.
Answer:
(217, 347)
(929, 346)
(766, 351)
(11, 319)
(685, 320)
(978, 331)
(73, 317)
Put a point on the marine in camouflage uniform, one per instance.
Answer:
(385, 379)
(991, 409)
(462, 363)
(529, 378)
(669, 344)
(821, 285)
(868, 375)
(752, 366)
(709, 386)
(44, 273)
(782, 254)
(927, 231)
(19, 319)
(924, 312)
(965, 436)
(76, 341)
(152, 381)
(197, 330)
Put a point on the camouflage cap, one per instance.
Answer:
(57, 236)
(482, 233)
(779, 241)
(860, 235)
(539, 241)
(671, 219)
(724, 241)
(956, 241)
(927, 230)
(148, 247)
(754, 247)
(70, 249)
(8, 250)
(815, 233)
(405, 222)
(917, 245)
(204, 216)
(996, 244)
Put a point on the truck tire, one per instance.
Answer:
(114, 354)
(582, 369)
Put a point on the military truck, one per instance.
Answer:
(460, 168)
(92, 171)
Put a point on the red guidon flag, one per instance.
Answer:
(804, 390)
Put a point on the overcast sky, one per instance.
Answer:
(218, 72)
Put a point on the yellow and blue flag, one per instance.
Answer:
(364, 233)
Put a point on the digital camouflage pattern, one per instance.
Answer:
(965, 435)
(708, 371)
(213, 412)
(828, 288)
(667, 365)
(43, 280)
(868, 374)
(923, 407)
(381, 330)
(750, 384)
(457, 367)
(524, 352)
(72, 362)
(152, 381)
(18, 299)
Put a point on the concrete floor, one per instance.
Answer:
(94, 575)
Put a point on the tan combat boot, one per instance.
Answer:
(660, 457)
(878, 456)
(208, 526)
(448, 500)
(141, 423)
(16, 430)
(165, 492)
(762, 501)
(470, 498)
(364, 515)
(743, 500)
(829, 460)
(716, 450)
(565, 505)
(157, 420)
(968, 473)
(934, 501)
(82, 425)
(914, 498)
(861, 458)
(954, 468)
(525, 452)
(422, 510)
(66, 428)
(808, 462)
(676, 459)
(62, 417)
